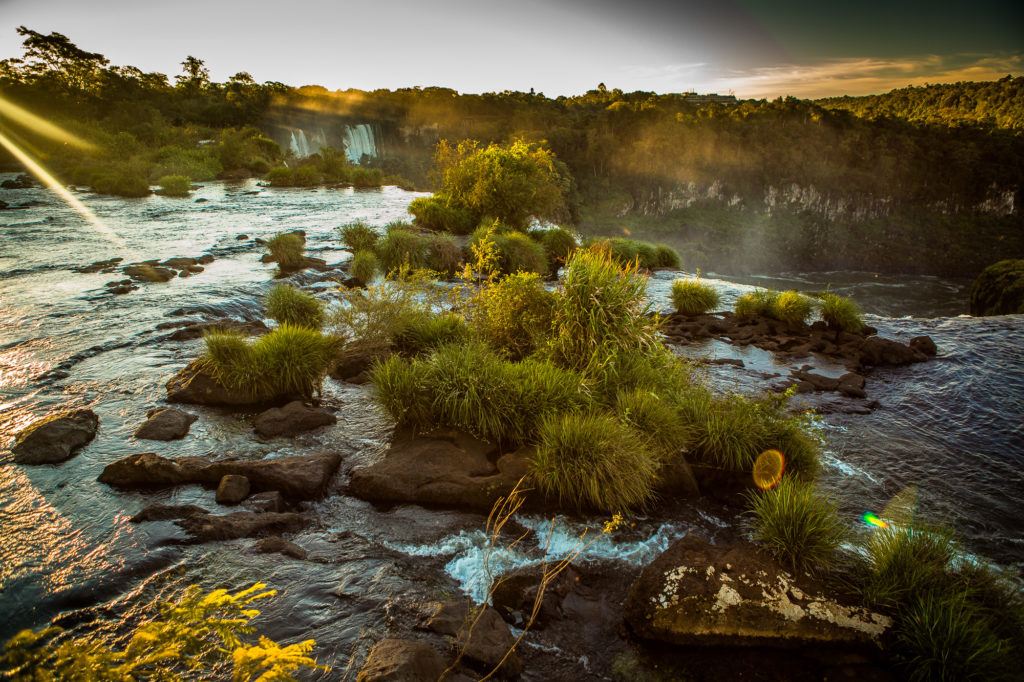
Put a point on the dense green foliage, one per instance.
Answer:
(513, 315)
(175, 185)
(359, 236)
(364, 266)
(840, 312)
(791, 307)
(999, 289)
(649, 256)
(760, 302)
(288, 305)
(798, 526)
(693, 297)
(287, 250)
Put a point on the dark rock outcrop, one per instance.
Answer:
(275, 544)
(401, 660)
(165, 423)
(483, 638)
(108, 265)
(21, 181)
(515, 594)
(878, 352)
(195, 385)
(267, 501)
(202, 526)
(292, 419)
(699, 594)
(232, 489)
(146, 272)
(55, 438)
(924, 344)
(301, 477)
(999, 289)
(446, 468)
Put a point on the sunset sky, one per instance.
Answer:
(752, 48)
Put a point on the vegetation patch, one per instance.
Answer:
(286, 249)
(288, 305)
(840, 312)
(359, 236)
(799, 527)
(175, 185)
(694, 297)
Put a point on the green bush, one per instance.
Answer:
(364, 178)
(907, 561)
(559, 243)
(402, 388)
(513, 315)
(359, 236)
(791, 307)
(656, 419)
(436, 213)
(759, 302)
(305, 175)
(427, 331)
(364, 266)
(121, 183)
(443, 254)
(627, 251)
(800, 528)
(842, 313)
(371, 318)
(175, 185)
(594, 461)
(667, 257)
(693, 297)
(288, 305)
(289, 361)
(401, 246)
(286, 249)
(518, 253)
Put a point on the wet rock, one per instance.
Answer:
(242, 237)
(215, 528)
(267, 501)
(165, 423)
(232, 489)
(179, 262)
(401, 660)
(484, 640)
(515, 594)
(205, 259)
(292, 419)
(300, 477)
(924, 344)
(446, 468)
(851, 385)
(878, 352)
(195, 385)
(701, 594)
(201, 200)
(275, 544)
(353, 367)
(99, 266)
(999, 289)
(22, 181)
(677, 481)
(167, 512)
(55, 438)
(147, 272)
(121, 289)
(193, 330)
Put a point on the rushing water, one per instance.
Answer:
(952, 427)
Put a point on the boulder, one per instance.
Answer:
(275, 544)
(699, 594)
(55, 438)
(924, 344)
(354, 366)
(445, 468)
(401, 660)
(195, 385)
(878, 352)
(483, 638)
(300, 477)
(232, 489)
(99, 266)
(165, 423)
(194, 330)
(202, 526)
(292, 419)
(268, 501)
(515, 594)
(999, 289)
(146, 272)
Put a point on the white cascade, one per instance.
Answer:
(359, 141)
(299, 144)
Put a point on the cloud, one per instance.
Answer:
(861, 76)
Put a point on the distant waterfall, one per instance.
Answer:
(359, 141)
(299, 144)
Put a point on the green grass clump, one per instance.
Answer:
(427, 331)
(359, 236)
(799, 527)
(288, 305)
(518, 253)
(905, 561)
(513, 314)
(693, 297)
(594, 461)
(286, 249)
(436, 213)
(402, 387)
(628, 251)
(667, 257)
(842, 313)
(791, 307)
(364, 266)
(759, 302)
(443, 254)
(656, 418)
(559, 243)
(175, 185)
(403, 246)
(289, 361)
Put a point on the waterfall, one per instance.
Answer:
(359, 141)
(299, 144)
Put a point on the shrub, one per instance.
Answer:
(286, 249)
(594, 461)
(403, 389)
(791, 307)
(759, 302)
(289, 361)
(428, 331)
(513, 315)
(436, 213)
(359, 236)
(401, 246)
(842, 313)
(364, 266)
(443, 254)
(559, 243)
(627, 251)
(907, 561)
(175, 185)
(800, 528)
(656, 419)
(371, 318)
(288, 305)
(518, 253)
(693, 297)
(122, 182)
(667, 257)
(365, 177)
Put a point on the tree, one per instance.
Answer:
(194, 74)
(55, 58)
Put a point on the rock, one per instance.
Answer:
(999, 289)
(55, 438)
(194, 330)
(851, 385)
(355, 364)
(401, 660)
(446, 468)
(146, 272)
(166, 423)
(167, 512)
(194, 384)
(212, 527)
(275, 544)
(300, 477)
(242, 237)
(676, 480)
(484, 640)
(232, 489)
(879, 352)
(179, 262)
(699, 594)
(292, 419)
(22, 181)
(268, 501)
(99, 266)
(205, 259)
(924, 344)
(515, 594)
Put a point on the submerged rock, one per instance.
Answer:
(697, 593)
(446, 468)
(246, 524)
(55, 438)
(292, 419)
(999, 289)
(186, 331)
(147, 272)
(301, 477)
(165, 423)
(515, 594)
(232, 489)
(401, 660)
(275, 544)
(268, 501)
(99, 266)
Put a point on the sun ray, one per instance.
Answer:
(37, 124)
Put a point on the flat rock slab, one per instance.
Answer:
(202, 526)
(166, 423)
(292, 419)
(302, 477)
(445, 468)
(697, 593)
(55, 438)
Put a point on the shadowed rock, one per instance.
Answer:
(232, 489)
(202, 526)
(401, 660)
(55, 438)
(484, 639)
(275, 544)
(165, 423)
(292, 419)
(195, 385)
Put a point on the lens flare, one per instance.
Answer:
(768, 469)
(871, 519)
(37, 124)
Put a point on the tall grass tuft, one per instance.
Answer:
(559, 243)
(791, 307)
(656, 418)
(800, 528)
(594, 461)
(288, 305)
(518, 253)
(286, 250)
(174, 185)
(402, 387)
(842, 313)
(667, 257)
(904, 561)
(759, 302)
(513, 314)
(693, 297)
(427, 331)
(403, 246)
(359, 236)
(364, 266)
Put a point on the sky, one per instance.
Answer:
(751, 48)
